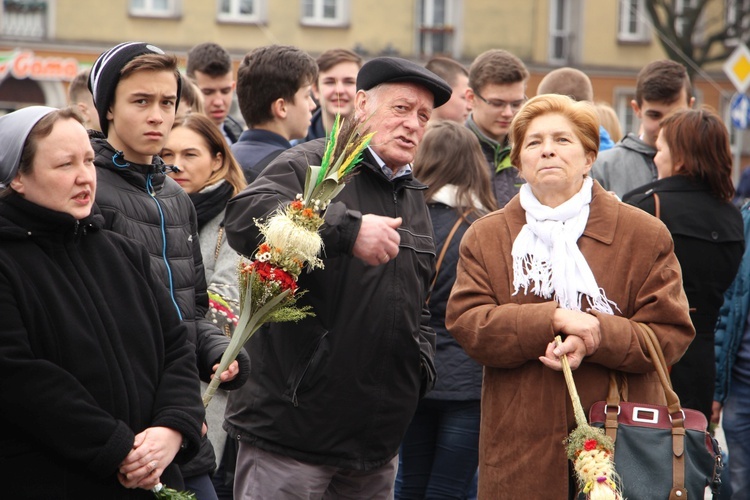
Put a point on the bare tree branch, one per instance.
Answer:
(677, 30)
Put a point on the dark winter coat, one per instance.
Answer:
(142, 203)
(708, 241)
(459, 377)
(339, 388)
(92, 354)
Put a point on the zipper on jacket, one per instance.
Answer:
(162, 224)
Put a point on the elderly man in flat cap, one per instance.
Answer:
(329, 398)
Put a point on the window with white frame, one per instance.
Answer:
(628, 121)
(737, 17)
(325, 12)
(437, 27)
(560, 32)
(242, 11)
(633, 23)
(155, 8)
(26, 18)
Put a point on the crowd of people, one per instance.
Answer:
(480, 224)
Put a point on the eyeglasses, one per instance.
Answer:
(499, 105)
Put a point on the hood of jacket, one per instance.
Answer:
(633, 142)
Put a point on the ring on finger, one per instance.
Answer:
(152, 465)
(385, 258)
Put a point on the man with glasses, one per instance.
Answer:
(497, 90)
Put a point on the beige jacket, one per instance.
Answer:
(526, 410)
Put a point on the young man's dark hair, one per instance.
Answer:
(270, 73)
(209, 65)
(662, 81)
(209, 58)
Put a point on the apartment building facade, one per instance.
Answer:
(43, 41)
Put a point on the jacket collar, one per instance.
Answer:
(603, 210)
(674, 183)
(135, 173)
(370, 163)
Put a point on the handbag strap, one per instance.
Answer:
(445, 249)
(678, 492)
(676, 414)
(657, 206)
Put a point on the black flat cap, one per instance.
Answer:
(397, 70)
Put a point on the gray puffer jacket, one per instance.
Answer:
(628, 165)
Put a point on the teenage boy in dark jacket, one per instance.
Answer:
(274, 92)
(136, 90)
(331, 396)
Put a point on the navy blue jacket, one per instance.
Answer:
(459, 377)
(255, 145)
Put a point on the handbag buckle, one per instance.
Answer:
(606, 409)
(645, 415)
(682, 412)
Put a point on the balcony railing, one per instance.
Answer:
(24, 19)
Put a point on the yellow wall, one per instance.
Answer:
(520, 26)
(373, 25)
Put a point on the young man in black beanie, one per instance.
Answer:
(136, 89)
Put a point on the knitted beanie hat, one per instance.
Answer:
(105, 75)
(15, 128)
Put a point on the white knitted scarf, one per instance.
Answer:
(546, 257)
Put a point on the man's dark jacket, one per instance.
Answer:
(339, 388)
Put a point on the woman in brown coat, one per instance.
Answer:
(563, 257)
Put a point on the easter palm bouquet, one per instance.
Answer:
(291, 243)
